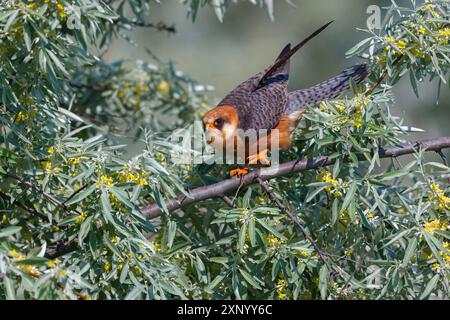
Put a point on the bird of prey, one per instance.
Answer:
(263, 103)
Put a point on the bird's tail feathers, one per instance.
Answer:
(287, 53)
(329, 89)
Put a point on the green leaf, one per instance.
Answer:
(135, 293)
(40, 261)
(81, 195)
(323, 281)
(334, 211)
(85, 227)
(106, 205)
(8, 231)
(251, 231)
(171, 232)
(242, 236)
(349, 196)
(410, 250)
(9, 286)
(249, 279)
(430, 287)
(272, 230)
(11, 20)
(392, 175)
(27, 36)
(214, 283)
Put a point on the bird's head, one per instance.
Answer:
(220, 125)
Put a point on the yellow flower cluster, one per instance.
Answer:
(273, 241)
(83, 296)
(137, 176)
(80, 218)
(105, 181)
(24, 116)
(21, 116)
(390, 39)
(130, 93)
(60, 8)
(160, 158)
(434, 225)
(444, 255)
(417, 52)
(304, 253)
(281, 289)
(444, 36)
(429, 7)
(399, 44)
(31, 270)
(354, 113)
(74, 161)
(438, 197)
(156, 246)
(360, 104)
(334, 186)
(422, 30)
(53, 263)
(163, 88)
(47, 165)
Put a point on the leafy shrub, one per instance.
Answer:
(71, 201)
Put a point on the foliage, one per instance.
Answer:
(70, 199)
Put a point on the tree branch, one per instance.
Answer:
(221, 188)
(294, 219)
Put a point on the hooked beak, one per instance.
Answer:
(209, 137)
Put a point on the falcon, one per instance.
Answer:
(263, 103)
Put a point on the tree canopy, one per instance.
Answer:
(73, 203)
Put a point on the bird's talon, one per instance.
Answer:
(239, 172)
(259, 157)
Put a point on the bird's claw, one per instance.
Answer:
(261, 157)
(239, 172)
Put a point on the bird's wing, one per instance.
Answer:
(262, 99)
(285, 55)
(239, 95)
(265, 107)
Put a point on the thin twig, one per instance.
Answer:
(30, 185)
(22, 206)
(294, 219)
(75, 193)
(358, 265)
(45, 194)
(228, 201)
(159, 26)
(382, 77)
(444, 160)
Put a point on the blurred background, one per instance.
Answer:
(224, 54)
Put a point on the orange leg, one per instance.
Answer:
(239, 172)
(261, 157)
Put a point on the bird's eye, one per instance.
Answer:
(219, 123)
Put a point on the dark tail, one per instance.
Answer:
(329, 89)
(287, 53)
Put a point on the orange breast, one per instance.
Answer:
(284, 127)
